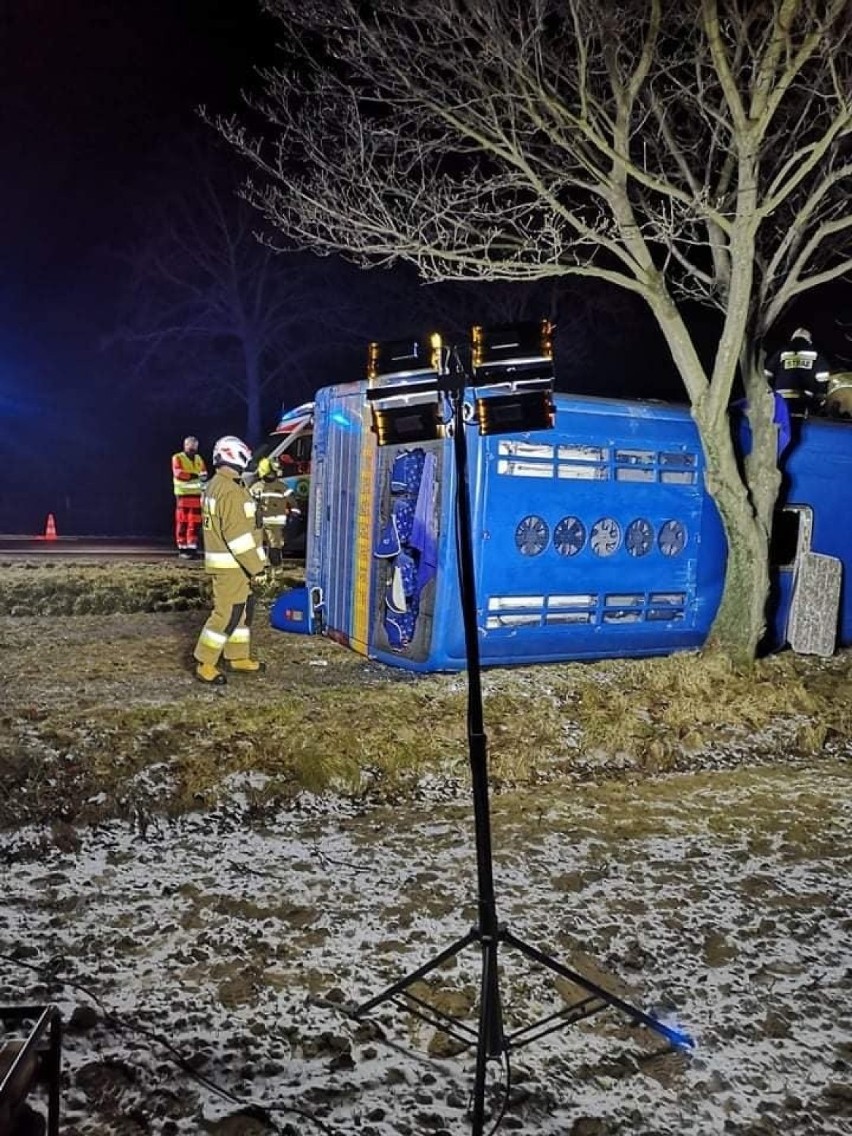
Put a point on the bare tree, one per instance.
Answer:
(697, 150)
(214, 314)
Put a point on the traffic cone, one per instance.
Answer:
(50, 528)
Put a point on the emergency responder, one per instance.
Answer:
(234, 556)
(188, 476)
(799, 374)
(275, 504)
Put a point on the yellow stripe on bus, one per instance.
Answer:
(361, 569)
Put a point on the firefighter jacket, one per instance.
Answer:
(273, 498)
(188, 474)
(799, 374)
(232, 537)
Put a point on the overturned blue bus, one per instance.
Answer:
(594, 538)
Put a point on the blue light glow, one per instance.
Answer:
(678, 1037)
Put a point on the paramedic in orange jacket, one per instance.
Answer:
(188, 476)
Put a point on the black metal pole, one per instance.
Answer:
(490, 1037)
(54, 1061)
(491, 1040)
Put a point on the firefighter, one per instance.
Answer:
(799, 374)
(275, 505)
(188, 476)
(234, 557)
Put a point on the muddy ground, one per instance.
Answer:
(208, 882)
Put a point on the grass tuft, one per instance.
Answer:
(101, 716)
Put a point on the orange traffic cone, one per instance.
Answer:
(50, 528)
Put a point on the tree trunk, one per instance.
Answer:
(761, 466)
(254, 425)
(741, 619)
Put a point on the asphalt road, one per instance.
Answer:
(82, 548)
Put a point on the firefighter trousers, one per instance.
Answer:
(274, 536)
(228, 630)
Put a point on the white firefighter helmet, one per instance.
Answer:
(233, 452)
(802, 333)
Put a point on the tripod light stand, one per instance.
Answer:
(530, 403)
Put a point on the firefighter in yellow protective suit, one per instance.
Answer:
(234, 556)
(275, 503)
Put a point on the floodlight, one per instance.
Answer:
(517, 348)
(403, 358)
(409, 409)
(514, 411)
(513, 368)
(399, 423)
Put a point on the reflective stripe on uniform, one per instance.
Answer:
(241, 635)
(214, 639)
(798, 360)
(220, 560)
(243, 543)
(249, 508)
(278, 519)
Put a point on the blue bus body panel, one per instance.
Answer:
(593, 539)
(596, 538)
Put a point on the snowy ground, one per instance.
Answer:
(208, 965)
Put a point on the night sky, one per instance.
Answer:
(93, 91)
(89, 89)
(89, 92)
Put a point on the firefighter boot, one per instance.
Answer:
(209, 675)
(245, 666)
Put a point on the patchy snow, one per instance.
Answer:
(718, 901)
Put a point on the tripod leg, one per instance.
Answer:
(676, 1037)
(491, 1041)
(421, 972)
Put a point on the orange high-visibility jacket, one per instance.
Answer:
(187, 473)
